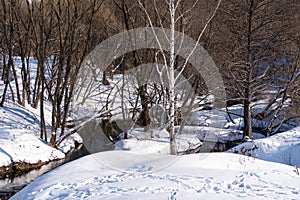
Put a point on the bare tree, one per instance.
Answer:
(74, 20)
(169, 60)
(42, 20)
(8, 45)
(252, 38)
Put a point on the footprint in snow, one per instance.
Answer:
(173, 195)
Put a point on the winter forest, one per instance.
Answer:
(190, 98)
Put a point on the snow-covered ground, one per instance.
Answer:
(140, 167)
(144, 170)
(282, 148)
(19, 137)
(140, 141)
(126, 175)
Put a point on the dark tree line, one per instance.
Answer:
(58, 34)
(257, 48)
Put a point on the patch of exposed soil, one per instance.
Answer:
(18, 169)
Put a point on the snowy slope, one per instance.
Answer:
(126, 175)
(282, 148)
(20, 129)
(19, 137)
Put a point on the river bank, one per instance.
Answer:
(16, 180)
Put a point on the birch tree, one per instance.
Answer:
(169, 59)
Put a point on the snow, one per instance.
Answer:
(282, 148)
(69, 143)
(127, 175)
(216, 134)
(140, 141)
(141, 168)
(26, 148)
(19, 138)
(20, 128)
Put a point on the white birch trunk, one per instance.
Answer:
(170, 63)
(172, 80)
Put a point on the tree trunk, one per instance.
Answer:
(144, 117)
(6, 74)
(28, 80)
(248, 86)
(42, 114)
(247, 120)
(4, 94)
(16, 83)
(37, 89)
(171, 77)
(24, 80)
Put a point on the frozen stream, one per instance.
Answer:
(10, 186)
